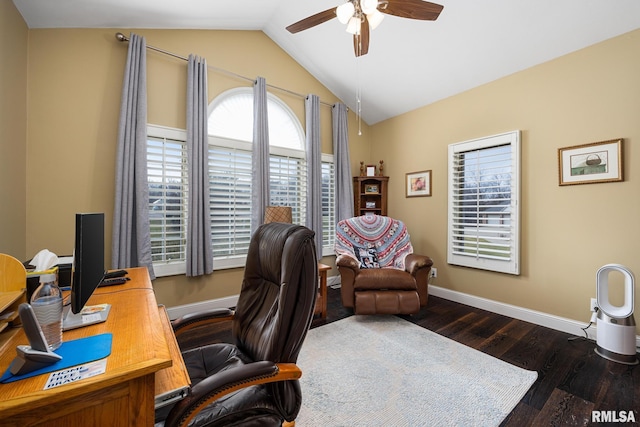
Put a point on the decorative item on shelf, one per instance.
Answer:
(371, 189)
(418, 184)
(591, 163)
(371, 170)
(370, 205)
(380, 169)
(362, 169)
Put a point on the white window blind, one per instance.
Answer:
(328, 203)
(167, 177)
(230, 201)
(288, 184)
(483, 217)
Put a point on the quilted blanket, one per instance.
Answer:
(388, 236)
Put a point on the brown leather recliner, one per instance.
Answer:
(254, 381)
(379, 272)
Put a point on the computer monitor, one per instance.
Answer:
(88, 258)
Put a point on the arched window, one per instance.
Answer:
(231, 132)
(230, 128)
(231, 117)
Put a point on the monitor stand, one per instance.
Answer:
(90, 315)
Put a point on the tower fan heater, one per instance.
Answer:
(616, 336)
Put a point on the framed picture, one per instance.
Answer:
(371, 188)
(591, 163)
(418, 184)
(371, 170)
(370, 205)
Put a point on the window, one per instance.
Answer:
(328, 204)
(230, 168)
(230, 201)
(484, 208)
(167, 177)
(231, 125)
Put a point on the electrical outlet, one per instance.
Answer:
(434, 272)
(593, 305)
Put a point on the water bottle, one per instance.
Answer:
(47, 306)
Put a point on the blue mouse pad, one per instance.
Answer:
(75, 352)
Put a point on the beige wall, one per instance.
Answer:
(75, 81)
(13, 130)
(72, 94)
(567, 232)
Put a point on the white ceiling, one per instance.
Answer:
(410, 63)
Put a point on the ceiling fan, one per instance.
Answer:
(363, 15)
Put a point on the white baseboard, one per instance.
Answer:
(333, 281)
(532, 316)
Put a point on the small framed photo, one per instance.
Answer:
(371, 170)
(418, 184)
(591, 163)
(370, 205)
(371, 188)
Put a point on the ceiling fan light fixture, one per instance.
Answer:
(369, 6)
(345, 11)
(354, 25)
(375, 19)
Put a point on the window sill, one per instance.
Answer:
(180, 268)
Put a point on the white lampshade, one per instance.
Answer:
(345, 12)
(375, 19)
(354, 25)
(368, 6)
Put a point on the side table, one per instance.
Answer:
(321, 301)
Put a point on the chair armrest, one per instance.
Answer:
(216, 386)
(347, 261)
(200, 318)
(413, 263)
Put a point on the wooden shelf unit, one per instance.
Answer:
(370, 195)
(9, 302)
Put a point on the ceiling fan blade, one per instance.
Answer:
(414, 9)
(361, 40)
(312, 21)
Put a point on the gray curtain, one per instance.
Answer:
(314, 169)
(199, 251)
(344, 180)
(260, 158)
(131, 241)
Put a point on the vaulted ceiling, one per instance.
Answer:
(410, 63)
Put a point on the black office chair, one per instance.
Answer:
(254, 382)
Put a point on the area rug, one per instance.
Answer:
(386, 371)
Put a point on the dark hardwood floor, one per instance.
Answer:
(572, 380)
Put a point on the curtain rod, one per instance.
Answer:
(122, 38)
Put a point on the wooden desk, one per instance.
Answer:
(321, 301)
(124, 394)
